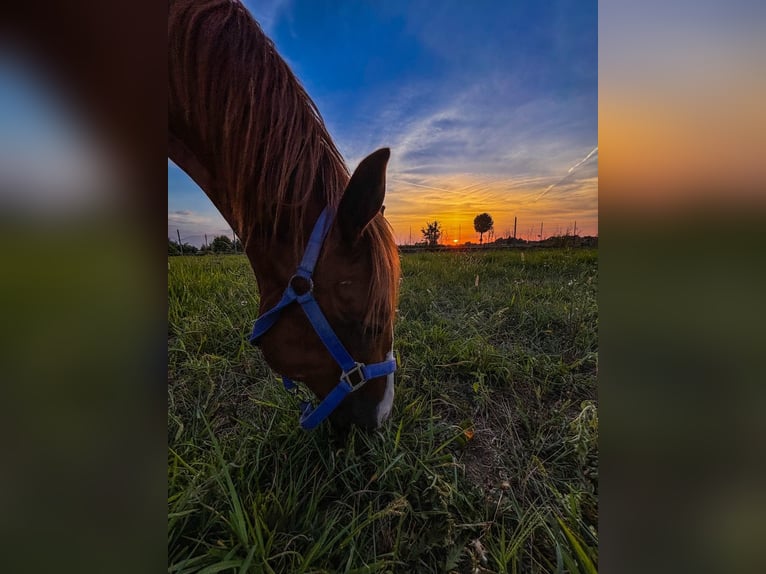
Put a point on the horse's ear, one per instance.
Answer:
(363, 198)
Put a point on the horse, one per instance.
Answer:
(244, 129)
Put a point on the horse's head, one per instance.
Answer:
(355, 284)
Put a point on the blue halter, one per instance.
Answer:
(354, 375)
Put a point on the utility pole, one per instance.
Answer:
(180, 245)
(575, 229)
(514, 227)
(541, 231)
(205, 240)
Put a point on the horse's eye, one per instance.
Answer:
(344, 283)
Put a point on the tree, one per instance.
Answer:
(186, 249)
(173, 247)
(221, 244)
(483, 223)
(432, 232)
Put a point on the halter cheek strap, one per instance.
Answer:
(354, 375)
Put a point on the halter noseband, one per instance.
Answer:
(354, 375)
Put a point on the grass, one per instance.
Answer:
(489, 461)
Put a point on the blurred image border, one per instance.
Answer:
(682, 199)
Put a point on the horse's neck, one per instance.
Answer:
(222, 124)
(242, 208)
(245, 131)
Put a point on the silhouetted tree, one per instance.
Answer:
(432, 232)
(483, 223)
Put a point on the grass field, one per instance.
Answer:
(489, 462)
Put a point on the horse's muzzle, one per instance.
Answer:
(384, 406)
(365, 410)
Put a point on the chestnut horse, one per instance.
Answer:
(243, 128)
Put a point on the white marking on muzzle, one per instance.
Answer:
(384, 407)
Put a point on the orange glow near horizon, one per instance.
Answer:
(454, 201)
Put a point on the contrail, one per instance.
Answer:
(587, 157)
(571, 169)
(417, 184)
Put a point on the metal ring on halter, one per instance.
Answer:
(306, 279)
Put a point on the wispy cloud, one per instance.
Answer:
(413, 184)
(473, 130)
(194, 225)
(186, 217)
(474, 153)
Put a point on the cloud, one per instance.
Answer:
(194, 225)
(186, 217)
(472, 152)
(479, 131)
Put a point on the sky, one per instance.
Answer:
(486, 106)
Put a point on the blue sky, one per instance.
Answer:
(486, 106)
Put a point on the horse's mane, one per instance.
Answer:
(268, 150)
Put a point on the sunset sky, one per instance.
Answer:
(485, 109)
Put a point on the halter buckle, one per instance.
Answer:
(354, 377)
